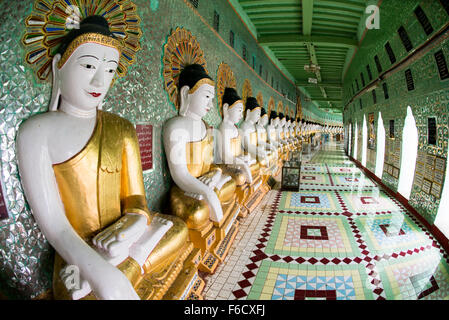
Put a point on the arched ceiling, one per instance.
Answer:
(300, 32)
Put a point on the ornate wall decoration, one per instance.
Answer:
(259, 98)
(225, 79)
(181, 50)
(298, 107)
(247, 90)
(270, 105)
(50, 21)
(280, 108)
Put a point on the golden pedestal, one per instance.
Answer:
(155, 285)
(188, 285)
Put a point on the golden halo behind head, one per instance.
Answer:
(48, 24)
(181, 50)
(247, 91)
(280, 108)
(225, 79)
(298, 107)
(270, 106)
(259, 98)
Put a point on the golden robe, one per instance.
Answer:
(103, 182)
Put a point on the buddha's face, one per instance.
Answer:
(87, 74)
(235, 113)
(254, 115)
(200, 101)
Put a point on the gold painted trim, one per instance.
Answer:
(89, 38)
(200, 83)
(235, 103)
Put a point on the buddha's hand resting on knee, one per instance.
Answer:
(211, 181)
(107, 284)
(120, 236)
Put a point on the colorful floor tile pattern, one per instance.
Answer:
(341, 237)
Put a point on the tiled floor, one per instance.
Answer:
(341, 237)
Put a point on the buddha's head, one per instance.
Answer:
(274, 118)
(253, 110)
(197, 90)
(232, 106)
(263, 120)
(84, 65)
(281, 119)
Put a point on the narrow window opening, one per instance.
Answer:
(405, 39)
(368, 70)
(378, 65)
(423, 20)
(432, 131)
(244, 52)
(441, 64)
(409, 80)
(231, 38)
(391, 133)
(384, 86)
(380, 147)
(390, 53)
(216, 21)
(408, 155)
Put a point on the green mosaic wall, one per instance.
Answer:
(26, 257)
(429, 98)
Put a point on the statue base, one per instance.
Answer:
(188, 285)
(259, 190)
(155, 285)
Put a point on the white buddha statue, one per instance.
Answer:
(230, 147)
(203, 195)
(233, 156)
(262, 134)
(287, 132)
(81, 172)
(281, 136)
(250, 134)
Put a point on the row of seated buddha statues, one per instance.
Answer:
(220, 175)
(81, 173)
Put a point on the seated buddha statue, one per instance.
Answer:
(287, 135)
(281, 135)
(255, 137)
(230, 146)
(262, 141)
(262, 134)
(81, 171)
(203, 195)
(274, 140)
(249, 133)
(297, 130)
(292, 133)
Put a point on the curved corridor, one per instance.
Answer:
(340, 238)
